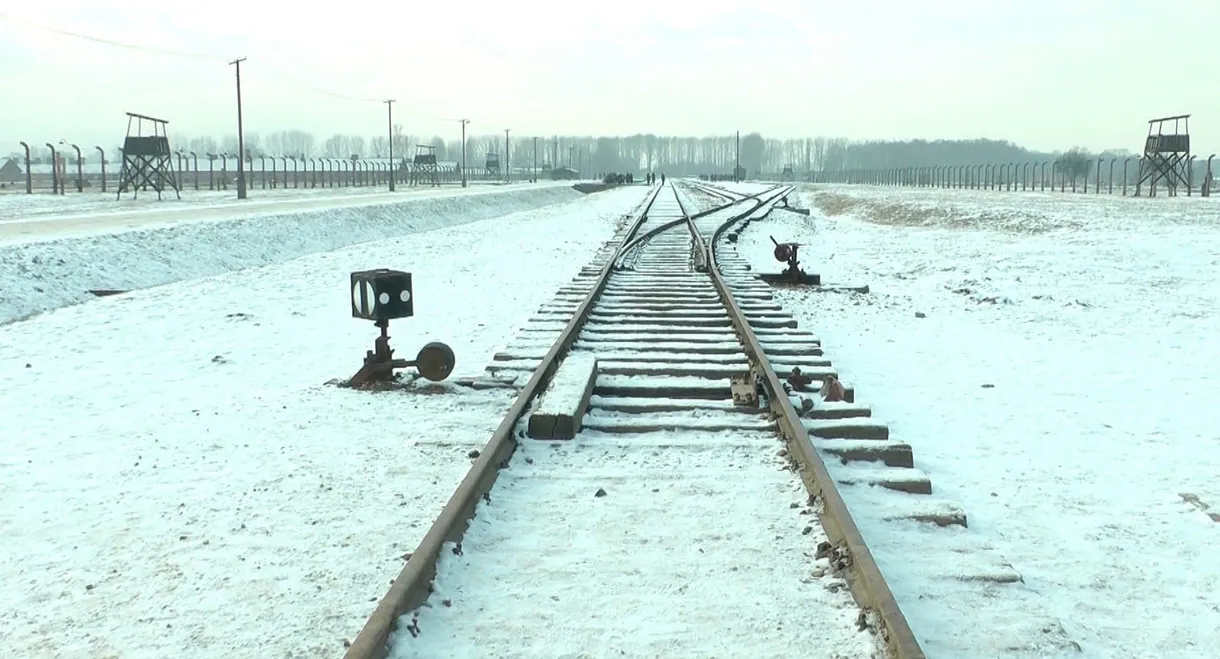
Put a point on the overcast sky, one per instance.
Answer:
(1044, 73)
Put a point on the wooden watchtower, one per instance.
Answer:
(491, 166)
(147, 159)
(1166, 155)
(425, 167)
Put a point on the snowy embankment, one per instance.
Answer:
(44, 275)
(42, 206)
(1051, 360)
(179, 481)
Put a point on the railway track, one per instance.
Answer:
(673, 523)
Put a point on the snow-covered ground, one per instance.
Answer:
(54, 272)
(47, 217)
(1051, 360)
(671, 544)
(177, 480)
(696, 540)
(21, 207)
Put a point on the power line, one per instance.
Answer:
(283, 77)
(106, 42)
(271, 74)
(177, 53)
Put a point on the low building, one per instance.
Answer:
(10, 171)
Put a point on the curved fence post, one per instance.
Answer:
(29, 179)
(1207, 181)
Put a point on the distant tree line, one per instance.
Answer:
(644, 152)
(672, 155)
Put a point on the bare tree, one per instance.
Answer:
(819, 153)
(836, 156)
(202, 145)
(753, 149)
(253, 143)
(337, 146)
(401, 140)
(379, 146)
(298, 143)
(273, 144)
(441, 152)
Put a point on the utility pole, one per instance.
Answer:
(737, 167)
(534, 178)
(389, 109)
(464, 122)
(507, 160)
(241, 138)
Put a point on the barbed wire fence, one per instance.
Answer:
(1104, 175)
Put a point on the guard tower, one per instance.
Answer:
(1166, 155)
(492, 166)
(425, 165)
(787, 176)
(147, 159)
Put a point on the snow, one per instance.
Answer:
(23, 209)
(664, 528)
(572, 381)
(56, 271)
(692, 419)
(1057, 391)
(744, 187)
(181, 481)
(664, 209)
(700, 545)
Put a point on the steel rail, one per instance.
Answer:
(413, 584)
(717, 192)
(867, 583)
(639, 241)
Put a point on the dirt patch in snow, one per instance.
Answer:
(940, 215)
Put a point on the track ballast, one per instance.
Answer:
(672, 524)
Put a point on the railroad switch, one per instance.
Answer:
(790, 253)
(380, 296)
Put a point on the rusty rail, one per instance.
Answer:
(867, 584)
(718, 192)
(414, 583)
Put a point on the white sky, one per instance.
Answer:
(1044, 73)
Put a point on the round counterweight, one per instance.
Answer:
(435, 361)
(783, 252)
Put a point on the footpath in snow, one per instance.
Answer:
(58, 267)
(1051, 360)
(180, 481)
